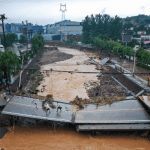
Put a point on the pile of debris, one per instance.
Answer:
(49, 100)
(100, 101)
(79, 102)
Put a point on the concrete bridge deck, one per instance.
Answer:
(121, 114)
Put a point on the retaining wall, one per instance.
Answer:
(15, 85)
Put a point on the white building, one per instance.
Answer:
(141, 32)
(65, 27)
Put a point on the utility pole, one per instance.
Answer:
(3, 18)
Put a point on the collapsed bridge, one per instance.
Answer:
(122, 115)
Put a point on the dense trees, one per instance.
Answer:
(128, 25)
(23, 39)
(133, 43)
(115, 47)
(37, 43)
(11, 61)
(10, 39)
(102, 26)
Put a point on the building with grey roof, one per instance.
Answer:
(64, 28)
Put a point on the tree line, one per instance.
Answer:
(142, 56)
(12, 38)
(101, 26)
(117, 48)
(12, 62)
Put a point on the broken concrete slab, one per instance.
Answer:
(104, 61)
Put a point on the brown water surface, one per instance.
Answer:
(44, 138)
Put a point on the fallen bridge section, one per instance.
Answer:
(113, 127)
(122, 112)
(127, 114)
(32, 108)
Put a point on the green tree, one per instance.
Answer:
(133, 43)
(128, 25)
(141, 27)
(115, 28)
(37, 44)
(11, 61)
(23, 39)
(11, 38)
(86, 30)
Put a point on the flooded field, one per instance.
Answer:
(66, 86)
(44, 138)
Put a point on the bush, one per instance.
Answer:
(143, 66)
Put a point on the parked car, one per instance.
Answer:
(44, 85)
(42, 90)
(17, 43)
(2, 48)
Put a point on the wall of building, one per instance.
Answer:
(16, 27)
(65, 27)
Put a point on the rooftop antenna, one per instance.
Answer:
(63, 9)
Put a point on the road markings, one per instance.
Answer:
(92, 111)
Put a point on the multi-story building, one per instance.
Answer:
(64, 28)
(7, 28)
(16, 27)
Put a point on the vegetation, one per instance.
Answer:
(139, 19)
(37, 44)
(11, 61)
(10, 39)
(71, 41)
(23, 39)
(115, 47)
(102, 26)
(143, 56)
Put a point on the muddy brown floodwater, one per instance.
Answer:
(44, 138)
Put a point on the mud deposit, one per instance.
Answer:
(44, 138)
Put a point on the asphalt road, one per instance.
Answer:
(127, 111)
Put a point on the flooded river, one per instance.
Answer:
(45, 138)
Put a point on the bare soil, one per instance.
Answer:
(49, 56)
(52, 56)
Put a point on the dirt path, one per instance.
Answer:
(66, 86)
